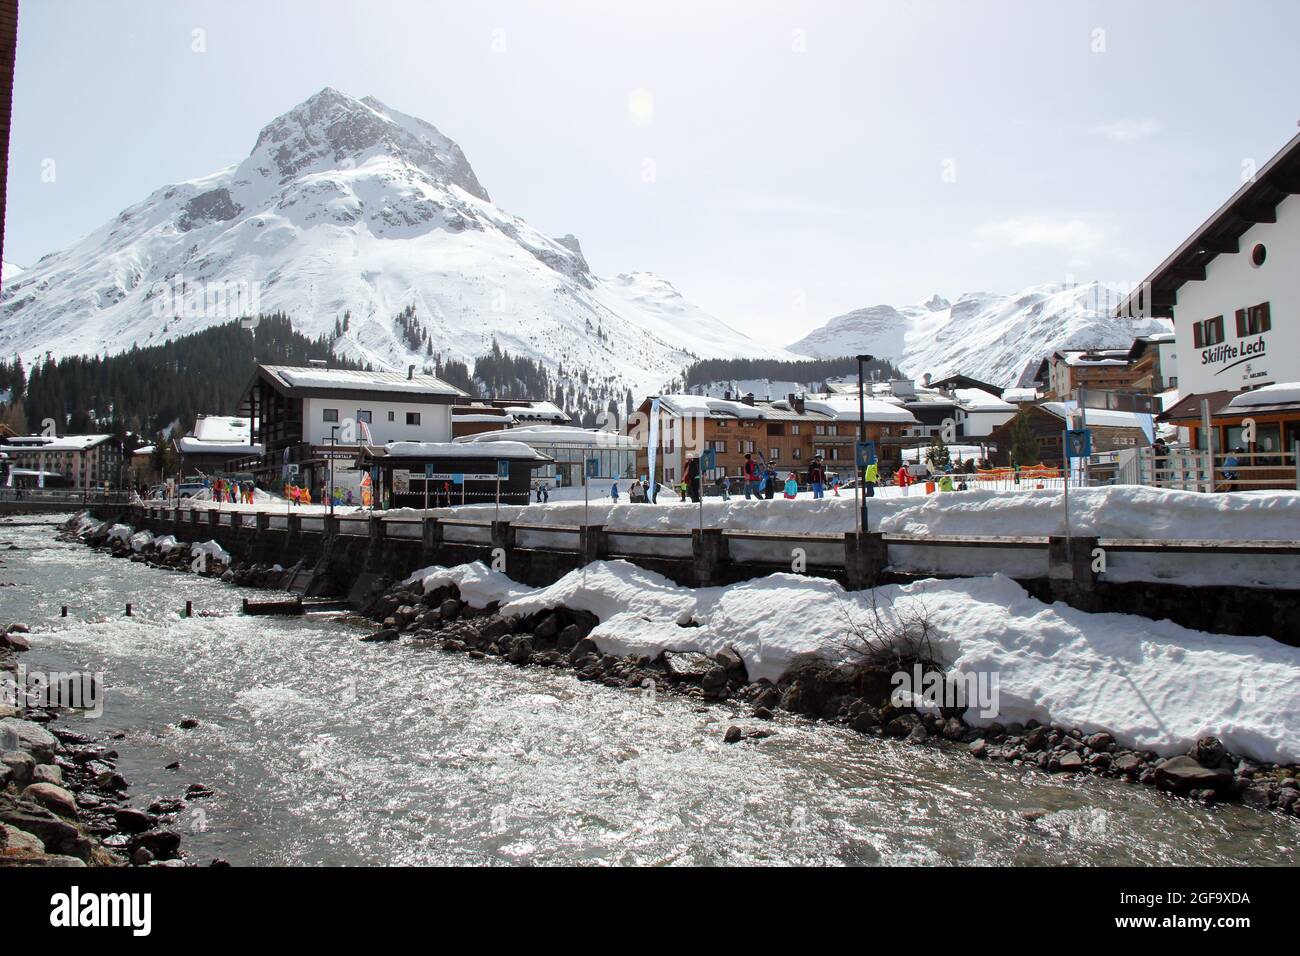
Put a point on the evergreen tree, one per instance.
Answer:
(1024, 444)
(937, 454)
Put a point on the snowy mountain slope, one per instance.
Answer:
(346, 206)
(9, 272)
(999, 339)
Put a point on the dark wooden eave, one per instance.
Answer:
(1255, 202)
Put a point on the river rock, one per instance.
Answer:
(1184, 774)
(1127, 763)
(384, 634)
(979, 748)
(1035, 738)
(25, 735)
(449, 609)
(58, 834)
(953, 729)
(492, 630)
(14, 841)
(1257, 795)
(130, 820)
(18, 628)
(47, 773)
(15, 642)
(1069, 762)
(1209, 752)
(547, 627)
(728, 658)
(865, 719)
(769, 698)
(521, 651)
(687, 665)
(53, 798)
(714, 678)
(20, 765)
(901, 726)
(568, 637)
(918, 734)
(163, 844)
(733, 735)
(1099, 741)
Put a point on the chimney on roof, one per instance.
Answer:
(748, 399)
(796, 402)
(410, 372)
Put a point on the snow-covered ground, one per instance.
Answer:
(1118, 511)
(1152, 684)
(1115, 512)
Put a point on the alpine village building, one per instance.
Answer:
(1232, 291)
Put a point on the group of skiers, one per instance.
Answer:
(230, 491)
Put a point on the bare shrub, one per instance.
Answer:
(890, 636)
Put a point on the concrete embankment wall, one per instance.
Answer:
(337, 558)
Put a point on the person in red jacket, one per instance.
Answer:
(751, 477)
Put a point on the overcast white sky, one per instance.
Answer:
(808, 158)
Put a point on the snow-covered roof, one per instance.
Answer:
(846, 408)
(445, 449)
(1019, 394)
(1095, 357)
(144, 450)
(700, 406)
(223, 428)
(1282, 393)
(193, 446)
(978, 400)
(219, 435)
(58, 442)
(538, 410)
(553, 435)
(351, 380)
(1103, 417)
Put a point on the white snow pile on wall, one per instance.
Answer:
(141, 540)
(1153, 684)
(166, 544)
(120, 532)
(479, 585)
(1122, 511)
(214, 551)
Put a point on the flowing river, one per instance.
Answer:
(326, 750)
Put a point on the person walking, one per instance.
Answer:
(613, 491)
(750, 476)
(724, 485)
(835, 485)
(870, 478)
(770, 478)
(1230, 466)
(691, 482)
(817, 478)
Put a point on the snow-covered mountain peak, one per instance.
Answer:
(332, 131)
(999, 339)
(368, 226)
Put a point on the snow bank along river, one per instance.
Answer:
(324, 749)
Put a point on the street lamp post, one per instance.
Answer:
(334, 430)
(860, 484)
